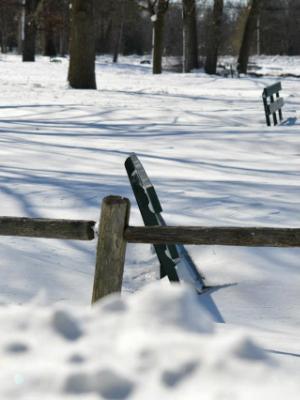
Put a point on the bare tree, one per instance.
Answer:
(30, 29)
(250, 26)
(9, 9)
(118, 29)
(157, 10)
(190, 41)
(214, 38)
(82, 46)
(53, 26)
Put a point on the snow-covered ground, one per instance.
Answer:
(156, 344)
(204, 144)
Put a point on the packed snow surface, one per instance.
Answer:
(204, 144)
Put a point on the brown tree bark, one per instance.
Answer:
(82, 46)
(119, 25)
(250, 26)
(28, 48)
(64, 29)
(214, 38)
(190, 40)
(50, 47)
(158, 19)
(3, 27)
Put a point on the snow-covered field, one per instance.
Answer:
(204, 144)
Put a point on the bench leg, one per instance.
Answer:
(280, 111)
(268, 121)
(274, 114)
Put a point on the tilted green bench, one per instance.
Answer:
(174, 260)
(273, 103)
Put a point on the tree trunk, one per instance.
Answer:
(248, 35)
(3, 28)
(21, 30)
(64, 30)
(157, 50)
(50, 47)
(214, 38)
(63, 43)
(190, 40)
(118, 33)
(82, 46)
(3, 41)
(28, 48)
(158, 20)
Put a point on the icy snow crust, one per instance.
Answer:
(205, 146)
(157, 343)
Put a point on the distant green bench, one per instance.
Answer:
(273, 103)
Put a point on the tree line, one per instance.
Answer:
(194, 31)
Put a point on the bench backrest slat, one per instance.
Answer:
(276, 105)
(134, 166)
(272, 89)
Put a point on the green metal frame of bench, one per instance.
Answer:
(174, 260)
(272, 105)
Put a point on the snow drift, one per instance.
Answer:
(156, 344)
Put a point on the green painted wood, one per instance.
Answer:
(134, 166)
(274, 113)
(272, 89)
(267, 114)
(276, 105)
(280, 110)
(273, 103)
(174, 260)
(150, 208)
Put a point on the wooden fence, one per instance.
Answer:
(108, 278)
(114, 234)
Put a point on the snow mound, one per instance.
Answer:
(157, 343)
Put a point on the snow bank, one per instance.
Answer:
(156, 344)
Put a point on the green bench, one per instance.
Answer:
(175, 262)
(273, 103)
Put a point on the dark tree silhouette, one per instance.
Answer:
(82, 46)
(157, 10)
(250, 26)
(214, 38)
(30, 30)
(190, 42)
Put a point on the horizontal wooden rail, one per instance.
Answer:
(223, 236)
(47, 228)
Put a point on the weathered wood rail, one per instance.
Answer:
(115, 233)
(223, 236)
(120, 234)
(47, 228)
(108, 276)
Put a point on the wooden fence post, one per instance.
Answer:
(111, 246)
